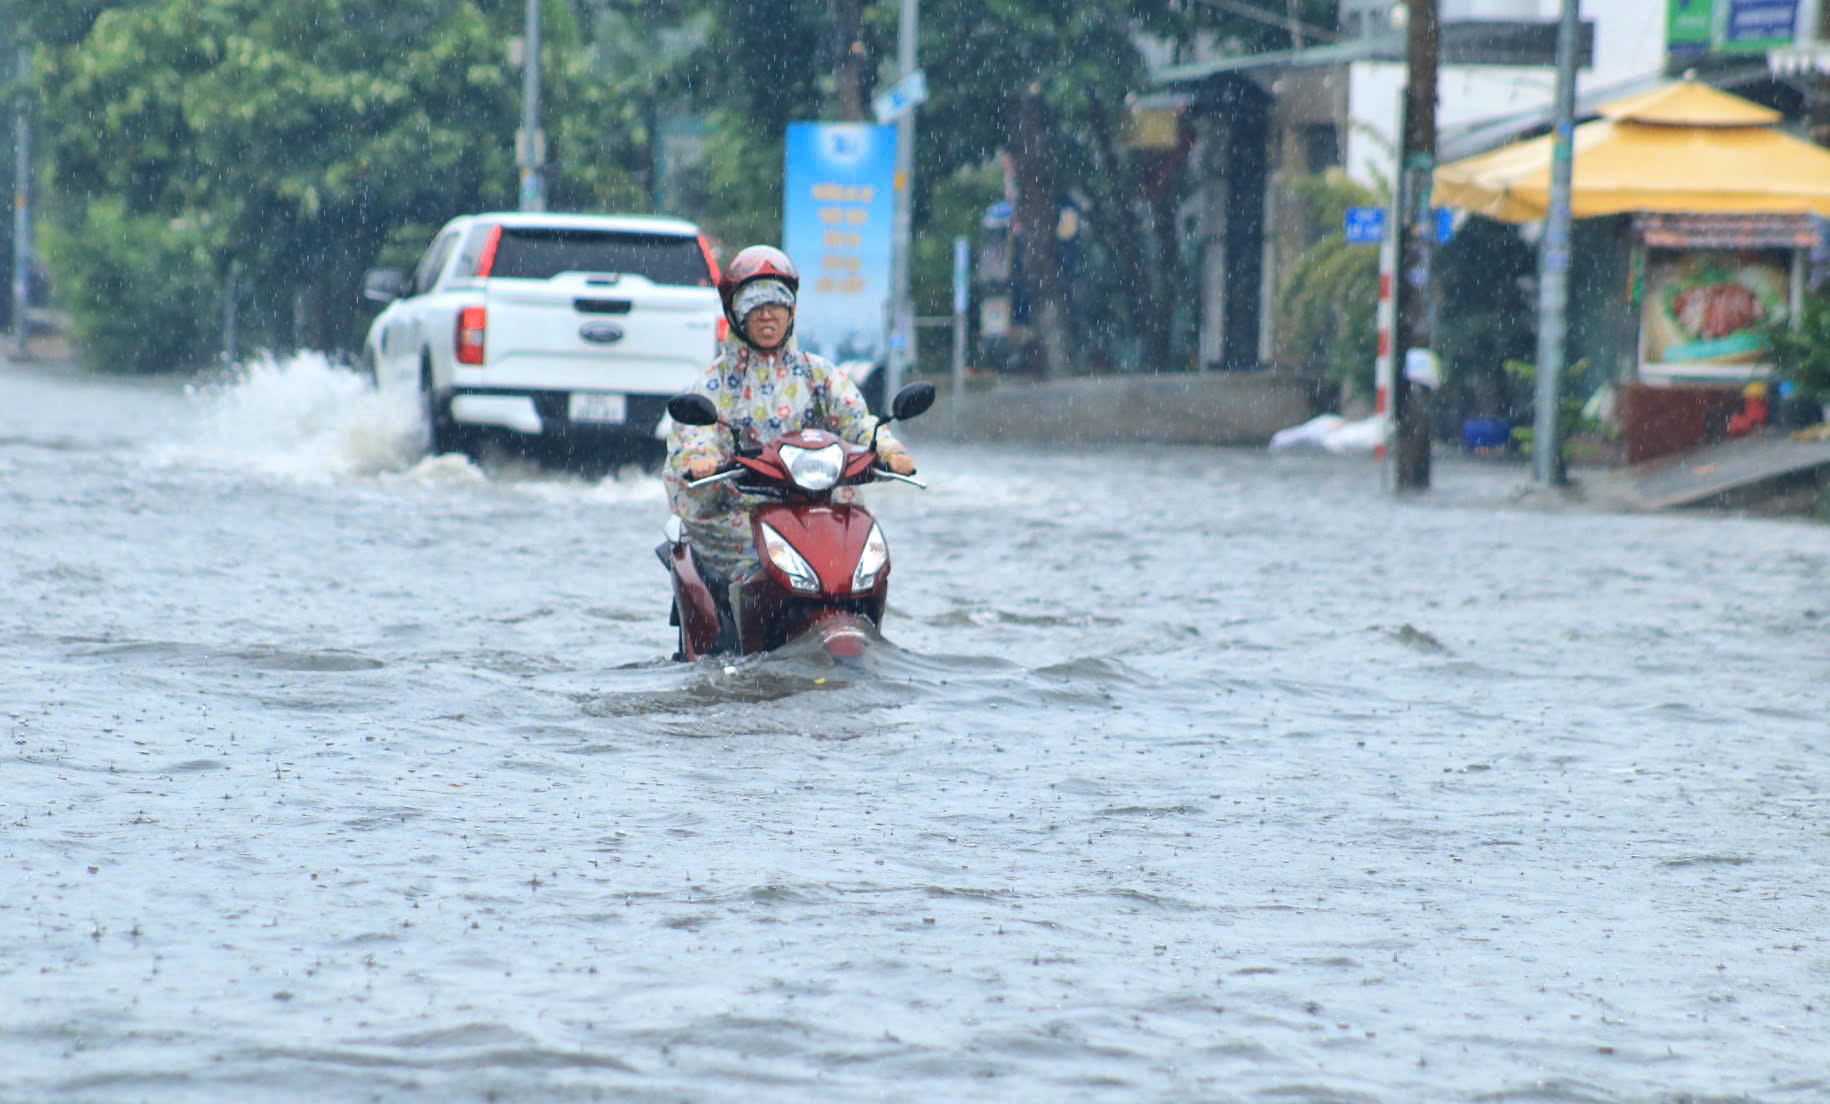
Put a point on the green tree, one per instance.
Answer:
(12, 87)
(1486, 317)
(1327, 309)
(302, 141)
(1804, 350)
(141, 290)
(1046, 82)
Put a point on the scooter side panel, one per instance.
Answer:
(760, 604)
(698, 612)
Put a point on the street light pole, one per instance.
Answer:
(1553, 263)
(902, 322)
(22, 213)
(529, 149)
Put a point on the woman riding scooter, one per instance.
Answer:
(763, 386)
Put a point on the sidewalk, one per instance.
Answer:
(1207, 408)
(51, 348)
(1765, 471)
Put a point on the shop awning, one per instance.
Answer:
(1682, 147)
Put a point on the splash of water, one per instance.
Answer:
(301, 416)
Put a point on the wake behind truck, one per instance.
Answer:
(565, 330)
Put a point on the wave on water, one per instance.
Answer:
(886, 677)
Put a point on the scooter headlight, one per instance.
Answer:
(871, 562)
(801, 575)
(814, 469)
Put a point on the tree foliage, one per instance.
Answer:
(141, 290)
(1803, 350)
(12, 86)
(1046, 81)
(303, 142)
(1328, 305)
(1485, 319)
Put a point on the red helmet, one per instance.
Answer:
(755, 263)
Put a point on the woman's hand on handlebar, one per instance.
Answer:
(899, 462)
(700, 467)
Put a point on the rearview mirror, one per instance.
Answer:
(692, 409)
(912, 400)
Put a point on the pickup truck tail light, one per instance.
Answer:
(705, 248)
(470, 324)
(487, 260)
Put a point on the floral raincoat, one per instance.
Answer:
(763, 395)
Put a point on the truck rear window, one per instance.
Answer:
(538, 254)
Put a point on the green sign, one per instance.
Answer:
(1688, 24)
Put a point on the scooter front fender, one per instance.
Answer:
(830, 538)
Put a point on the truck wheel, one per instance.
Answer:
(441, 432)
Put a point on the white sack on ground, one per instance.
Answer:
(1332, 433)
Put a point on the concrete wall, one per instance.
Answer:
(1214, 408)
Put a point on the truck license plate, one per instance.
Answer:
(597, 406)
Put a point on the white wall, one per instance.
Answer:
(1629, 44)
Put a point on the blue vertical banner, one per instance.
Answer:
(838, 225)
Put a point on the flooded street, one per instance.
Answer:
(1182, 774)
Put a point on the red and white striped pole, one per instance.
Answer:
(1386, 364)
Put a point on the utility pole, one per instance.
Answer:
(902, 320)
(231, 316)
(848, 59)
(962, 284)
(1553, 264)
(530, 150)
(1416, 239)
(22, 211)
(1820, 103)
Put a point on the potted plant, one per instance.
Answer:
(1803, 351)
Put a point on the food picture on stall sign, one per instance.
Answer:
(1713, 307)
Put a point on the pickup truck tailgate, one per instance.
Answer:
(582, 331)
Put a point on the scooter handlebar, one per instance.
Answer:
(724, 476)
(886, 473)
(738, 471)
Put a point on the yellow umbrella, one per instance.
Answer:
(1682, 147)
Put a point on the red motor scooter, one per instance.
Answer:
(824, 566)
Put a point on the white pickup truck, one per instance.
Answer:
(570, 330)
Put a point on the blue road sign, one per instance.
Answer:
(1364, 224)
(901, 98)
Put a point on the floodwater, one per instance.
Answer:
(1182, 774)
